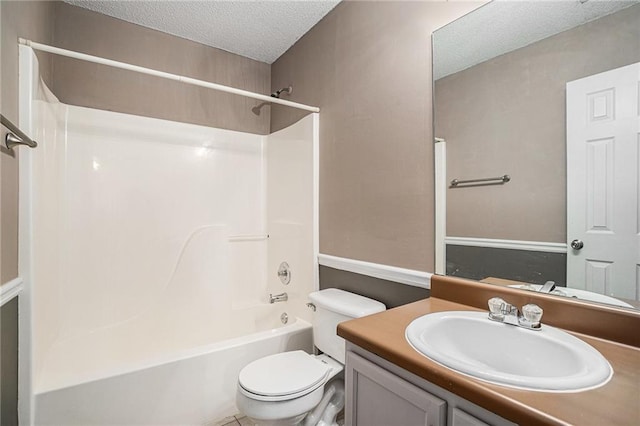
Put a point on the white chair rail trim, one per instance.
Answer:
(508, 244)
(376, 270)
(10, 289)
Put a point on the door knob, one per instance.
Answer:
(577, 244)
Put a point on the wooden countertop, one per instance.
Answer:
(616, 403)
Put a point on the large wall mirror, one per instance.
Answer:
(538, 145)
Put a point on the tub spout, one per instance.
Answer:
(282, 297)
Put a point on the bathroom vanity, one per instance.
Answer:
(389, 382)
(381, 393)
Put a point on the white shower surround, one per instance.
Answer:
(147, 255)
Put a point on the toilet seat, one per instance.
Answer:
(283, 376)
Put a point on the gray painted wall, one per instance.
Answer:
(367, 65)
(533, 267)
(95, 86)
(9, 363)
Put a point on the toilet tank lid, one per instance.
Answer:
(345, 303)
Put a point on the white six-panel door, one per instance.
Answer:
(603, 182)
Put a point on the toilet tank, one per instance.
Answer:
(332, 307)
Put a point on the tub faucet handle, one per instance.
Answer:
(284, 273)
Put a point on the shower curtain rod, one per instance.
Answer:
(123, 65)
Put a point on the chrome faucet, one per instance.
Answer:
(548, 287)
(282, 297)
(501, 311)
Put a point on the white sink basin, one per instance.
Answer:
(548, 359)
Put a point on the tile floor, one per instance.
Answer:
(238, 421)
(243, 421)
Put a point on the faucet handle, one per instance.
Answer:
(495, 308)
(532, 313)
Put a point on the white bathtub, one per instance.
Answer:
(188, 387)
(148, 249)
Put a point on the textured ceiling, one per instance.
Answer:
(261, 30)
(505, 25)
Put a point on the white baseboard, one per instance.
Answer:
(376, 270)
(10, 289)
(508, 244)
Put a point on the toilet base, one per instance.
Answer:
(288, 412)
(331, 404)
(291, 421)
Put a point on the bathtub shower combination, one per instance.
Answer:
(151, 249)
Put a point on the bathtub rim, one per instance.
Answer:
(298, 324)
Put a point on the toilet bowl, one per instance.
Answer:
(292, 388)
(281, 389)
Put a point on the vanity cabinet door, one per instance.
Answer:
(460, 418)
(375, 397)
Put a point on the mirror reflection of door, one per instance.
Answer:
(602, 183)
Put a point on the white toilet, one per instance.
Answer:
(293, 387)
